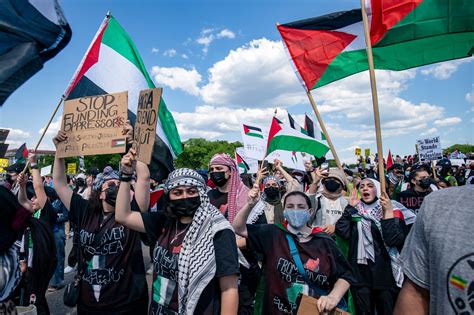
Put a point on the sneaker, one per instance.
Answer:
(53, 288)
(150, 270)
(70, 269)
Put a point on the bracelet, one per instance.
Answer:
(34, 167)
(125, 174)
(125, 178)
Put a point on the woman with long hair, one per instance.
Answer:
(195, 258)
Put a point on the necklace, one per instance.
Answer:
(176, 234)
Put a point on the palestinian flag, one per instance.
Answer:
(389, 160)
(31, 32)
(404, 34)
(312, 129)
(21, 154)
(113, 64)
(252, 131)
(282, 138)
(241, 162)
(295, 125)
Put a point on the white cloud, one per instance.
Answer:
(178, 78)
(170, 53)
(53, 128)
(257, 74)
(155, 50)
(16, 134)
(208, 35)
(447, 121)
(226, 33)
(430, 131)
(184, 56)
(444, 70)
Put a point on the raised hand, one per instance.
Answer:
(128, 131)
(353, 198)
(253, 195)
(60, 137)
(22, 179)
(128, 162)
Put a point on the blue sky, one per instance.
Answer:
(221, 62)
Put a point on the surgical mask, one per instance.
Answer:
(424, 183)
(111, 195)
(331, 185)
(297, 218)
(184, 207)
(272, 192)
(218, 178)
(407, 174)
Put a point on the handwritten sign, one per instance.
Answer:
(429, 149)
(46, 170)
(145, 126)
(3, 165)
(94, 125)
(358, 151)
(71, 168)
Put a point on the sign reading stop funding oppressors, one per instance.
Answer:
(145, 126)
(94, 125)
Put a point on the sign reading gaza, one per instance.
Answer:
(429, 149)
(94, 125)
(145, 125)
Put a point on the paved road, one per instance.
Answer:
(55, 299)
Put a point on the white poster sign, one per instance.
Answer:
(46, 170)
(251, 164)
(430, 149)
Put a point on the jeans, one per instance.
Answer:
(58, 276)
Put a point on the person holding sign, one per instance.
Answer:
(195, 258)
(110, 265)
(297, 257)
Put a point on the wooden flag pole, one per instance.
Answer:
(323, 128)
(375, 101)
(44, 131)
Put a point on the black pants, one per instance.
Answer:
(367, 300)
(72, 258)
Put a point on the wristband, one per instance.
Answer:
(125, 174)
(125, 178)
(34, 167)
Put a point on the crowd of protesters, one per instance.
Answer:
(222, 246)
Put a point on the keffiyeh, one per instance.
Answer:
(106, 175)
(196, 262)
(365, 248)
(237, 196)
(10, 274)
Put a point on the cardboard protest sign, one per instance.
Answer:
(308, 306)
(429, 149)
(46, 170)
(94, 125)
(255, 138)
(71, 168)
(145, 125)
(3, 165)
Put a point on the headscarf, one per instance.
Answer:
(237, 196)
(365, 248)
(197, 261)
(335, 174)
(106, 175)
(265, 204)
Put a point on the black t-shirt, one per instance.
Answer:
(323, 261)
(218, 199)
(114, 278)
(412, 199)
(168, 235)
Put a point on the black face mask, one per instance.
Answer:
(331, 185)
(272, 193)
(424, 183)
(218, 178)
(80, 182)
(184, 207)
(111, 195)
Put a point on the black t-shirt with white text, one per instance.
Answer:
(114, 278)
(412, 199)
(323, 262)
(168, 235)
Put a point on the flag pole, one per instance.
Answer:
(323, 128)
(44, 131)
(375, 101)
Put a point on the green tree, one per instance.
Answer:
(198, 152)
(99, 161)
(464, 148)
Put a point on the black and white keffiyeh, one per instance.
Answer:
(10, 274)
(196, 262)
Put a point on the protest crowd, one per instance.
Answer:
(252, 233)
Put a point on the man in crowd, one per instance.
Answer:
(439, 262)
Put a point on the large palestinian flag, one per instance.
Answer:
(112, 64)
(282, 138)
(404, 34)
